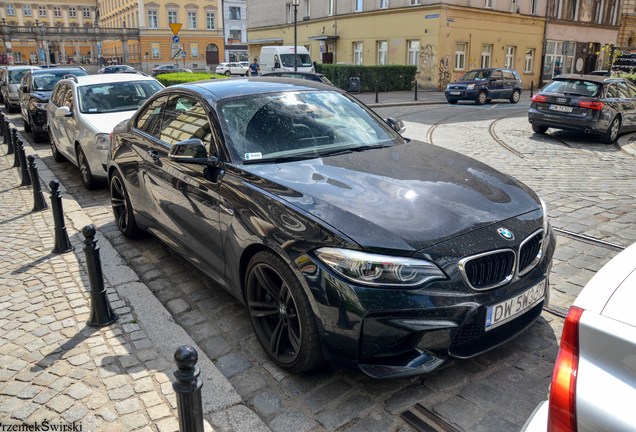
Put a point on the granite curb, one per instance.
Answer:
(222, 405)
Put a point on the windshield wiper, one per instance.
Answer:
(572, 93)
(353, 149)
(278, 159)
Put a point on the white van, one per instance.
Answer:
(281, 58)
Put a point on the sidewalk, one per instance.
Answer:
(56, 370)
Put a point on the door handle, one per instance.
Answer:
(154, 155)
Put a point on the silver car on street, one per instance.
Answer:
(81, 115)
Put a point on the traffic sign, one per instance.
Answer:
(175, 28)
(175, 39)
(183, 53)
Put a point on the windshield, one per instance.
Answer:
(16, 75)
(304, 60)
(45, 82)
(115, 97)
(475, 75)
(574, 87)
(300, 125)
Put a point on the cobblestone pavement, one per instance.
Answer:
(589, 189)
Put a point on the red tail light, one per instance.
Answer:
(593, 105)
(562, 411)
(539, 98)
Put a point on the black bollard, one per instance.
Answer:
(24, 171)
(13, 132)
(188, 389)
(2, 124)
(16, 153)
(39, 203)
(101, 312)
(62, 243)
(415, 90)
(5, 130)
(531, 89)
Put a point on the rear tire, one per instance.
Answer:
(55, 153)
(539, 129)
(86, 175)
(516, 95)
(228, 73)
(612, 132)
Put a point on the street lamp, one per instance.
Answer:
(295, 3)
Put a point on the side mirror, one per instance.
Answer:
(63, 111)
(276, 65)
(396, 125)
(191, 151)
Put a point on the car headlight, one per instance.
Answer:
(102, 141)
(470, 86)
(379, 270)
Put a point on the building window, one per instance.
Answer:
(382, 52)
(414, 2)
(510, 57)
(486, 53)
(235, 12)
(554, 9)
(209, 20)
(460, 55)
(529, 61)
(384, 4)
(26, 10)
(290, 13)
(153, 22)
(489, 3)
(10, 10)
(235, 35)
(358, 6)
(192, 20)
(413, 52)
(72, 12)
(57, 12)
(42, 11)
(357, 53)
(307, 9)
(533, 7)
(172, 17)
(194, 50)
(155, 50)
(86, 12)
(611, 13)
(330, 5)
(513, 6)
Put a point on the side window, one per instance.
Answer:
(58, 94)
(497, 75)
(185, 118)
(67, 100)
(508, 75)
(612, 91)
(150, 120)
(623, 91)
(631, 88)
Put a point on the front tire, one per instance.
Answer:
(482, 98)
(612, 132)
(26, 125)
(228, 73)
(85, 170)
(281, 315)
(515, 96)
(122, 209)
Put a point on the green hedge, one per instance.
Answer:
(384, 78)
(169, 79)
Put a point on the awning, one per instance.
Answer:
(267, 41)
(324, 37)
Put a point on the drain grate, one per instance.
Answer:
(425, 420)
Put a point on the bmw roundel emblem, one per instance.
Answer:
(506, 233)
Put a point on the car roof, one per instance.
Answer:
(595, 78)
(215, 90)
(108, 78)
(69, 69)
(20, 67)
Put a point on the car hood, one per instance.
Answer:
(105, 122)
(466, 82)
(42, 96)
(404, 197)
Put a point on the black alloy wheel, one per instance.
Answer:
(85, 171)
(122, 210)
(281, 315)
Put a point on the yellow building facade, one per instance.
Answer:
(190, 34)
(443, 41)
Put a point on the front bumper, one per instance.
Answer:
(463, 94)
(389, 333)
(38, 120)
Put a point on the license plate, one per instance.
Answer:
(455, 93)
(505, 311)
(561, 108)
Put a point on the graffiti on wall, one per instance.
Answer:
(428, 65)
(444, 72)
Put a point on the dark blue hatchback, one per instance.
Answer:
(484, 85)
